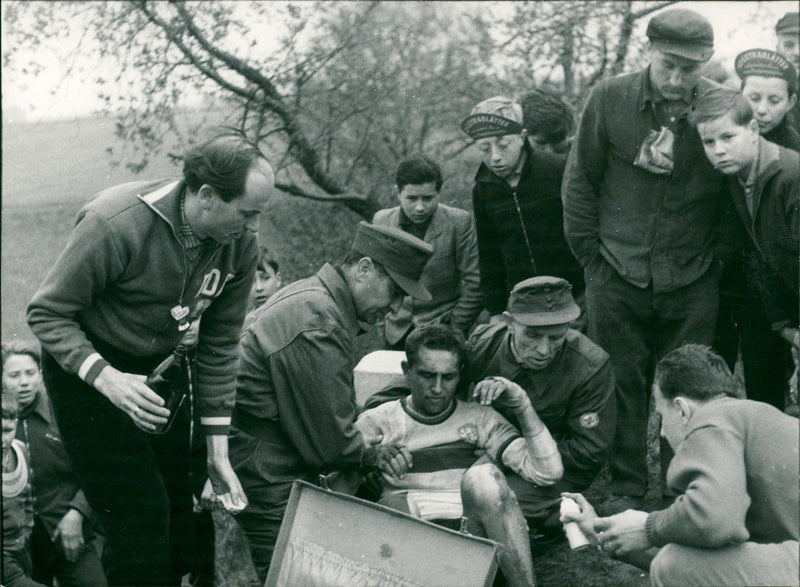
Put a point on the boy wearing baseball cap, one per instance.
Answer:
(769, 82)
(517, 204)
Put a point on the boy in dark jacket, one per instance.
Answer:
(765, 189)
(769, 84)
(517, 205)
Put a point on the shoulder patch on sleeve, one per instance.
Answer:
(590, 420)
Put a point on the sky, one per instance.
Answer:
(53, 95)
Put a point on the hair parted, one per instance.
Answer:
(696, 372)
(718, 102)
(222, 162)
(545, 113)
(21, 347)
(438, 337)
(417, 169)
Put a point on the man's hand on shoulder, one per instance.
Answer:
(501, 392)
(130, 394)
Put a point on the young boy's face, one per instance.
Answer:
(731, 148)
(501, 154)
(419, 201)
(769, 98)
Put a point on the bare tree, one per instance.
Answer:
(573, 44)
(337, 92)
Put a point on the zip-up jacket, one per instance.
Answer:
(521, 230)
(295, 378)
(119, 279)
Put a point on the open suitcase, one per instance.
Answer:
(328, 539)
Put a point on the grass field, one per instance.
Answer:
(50, 169)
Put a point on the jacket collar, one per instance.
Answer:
(435, 224)
(40, 407)
(165, 201)
(335, 283)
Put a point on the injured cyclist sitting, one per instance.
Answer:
(454, 448)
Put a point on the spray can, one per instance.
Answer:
(577, 539)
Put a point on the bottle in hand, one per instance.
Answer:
(170, 380)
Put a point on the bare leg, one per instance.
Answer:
(488, 501)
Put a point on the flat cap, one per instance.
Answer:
(682, 32)
(401, 254)
(543, 301)
(765, 63)
(788, 24)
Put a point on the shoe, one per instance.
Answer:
(614, 504)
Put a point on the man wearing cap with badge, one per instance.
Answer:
(568, 379)
(518, 213)
(644, 214)
(146, 258)
(295, 403)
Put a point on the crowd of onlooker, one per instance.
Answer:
(601, 264)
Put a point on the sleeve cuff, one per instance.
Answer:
(215, 425)
(80, 504)
(91, 367)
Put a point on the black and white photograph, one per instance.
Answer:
(372, 293)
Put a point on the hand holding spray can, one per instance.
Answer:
(577, 539)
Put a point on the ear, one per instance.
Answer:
(792, 101)
(206, 194)
(685, 409)
(507, 317)
(524, 134)
(404, 366)
(364, 267)
(753, 127)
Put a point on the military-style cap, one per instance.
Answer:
(401, 254)
(788, 24)
(683, 33)
(543, 301)
(765, 63)
(495, 117)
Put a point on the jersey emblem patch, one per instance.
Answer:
(469, 433)
(590, 420)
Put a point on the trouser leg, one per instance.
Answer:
(686, 315)
(267, 499)
(766, 357)
(619, 321)
(488, 499)
(726, 333)
(120, 476)
(49, 561)
(747, 563)
(540, 505)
